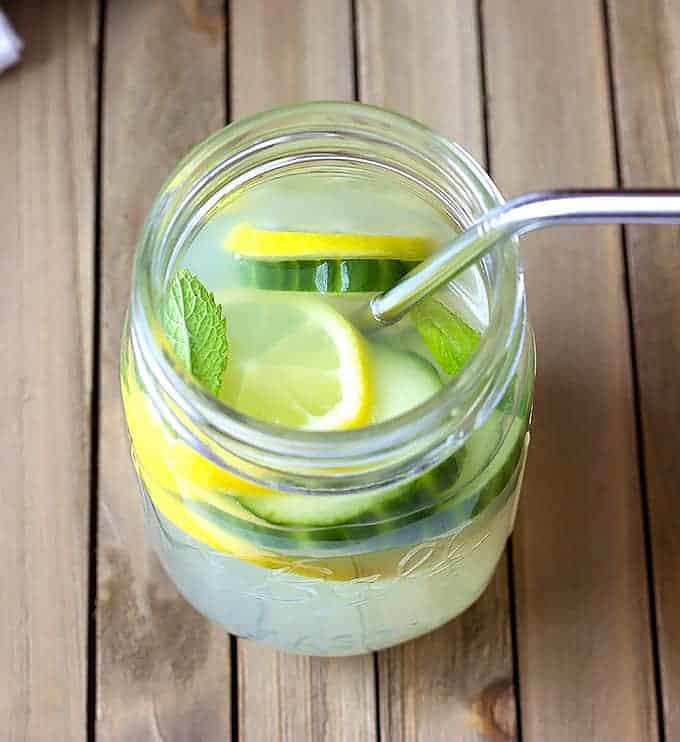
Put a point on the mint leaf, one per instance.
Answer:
(450, 340)
(196, 329)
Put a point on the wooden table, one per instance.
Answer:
(578, 637)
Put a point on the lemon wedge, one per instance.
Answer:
(265, 244)
(295, 361)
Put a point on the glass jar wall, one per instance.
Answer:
(396, 527)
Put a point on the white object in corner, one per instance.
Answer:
(10, 44)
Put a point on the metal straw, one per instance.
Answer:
(519, 216)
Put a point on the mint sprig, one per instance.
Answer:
(196, 328)
(450, 340)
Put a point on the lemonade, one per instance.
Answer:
(310, 482)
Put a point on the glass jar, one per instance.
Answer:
(456, 460)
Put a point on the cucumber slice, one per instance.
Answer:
(322, 276)
(302, 539)
(287, 509)
(416, 381)
(488, 462)
(403, 380)
(501, 470)
(480, 447)
(489, 459)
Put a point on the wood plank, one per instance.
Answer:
(47, 129)
(423, 61)
(163, 671)
(583, 616)
(289, 697)
(457, 682)
(645, 39)
(283, 52)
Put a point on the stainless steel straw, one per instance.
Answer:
(519, 216)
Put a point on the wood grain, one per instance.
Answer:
(288, 697)
(456, 683)
(163, 671)
(283, 52)
(47, 129)
(646, 67)
(423, 60)
(583, 629)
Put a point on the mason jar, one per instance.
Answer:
(456, 460)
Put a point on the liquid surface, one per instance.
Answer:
(337, 257)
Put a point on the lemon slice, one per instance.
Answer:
(335, 568)
(265, 244)
(171, 463)
(295, 361)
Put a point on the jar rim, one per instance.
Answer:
(450, 414)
